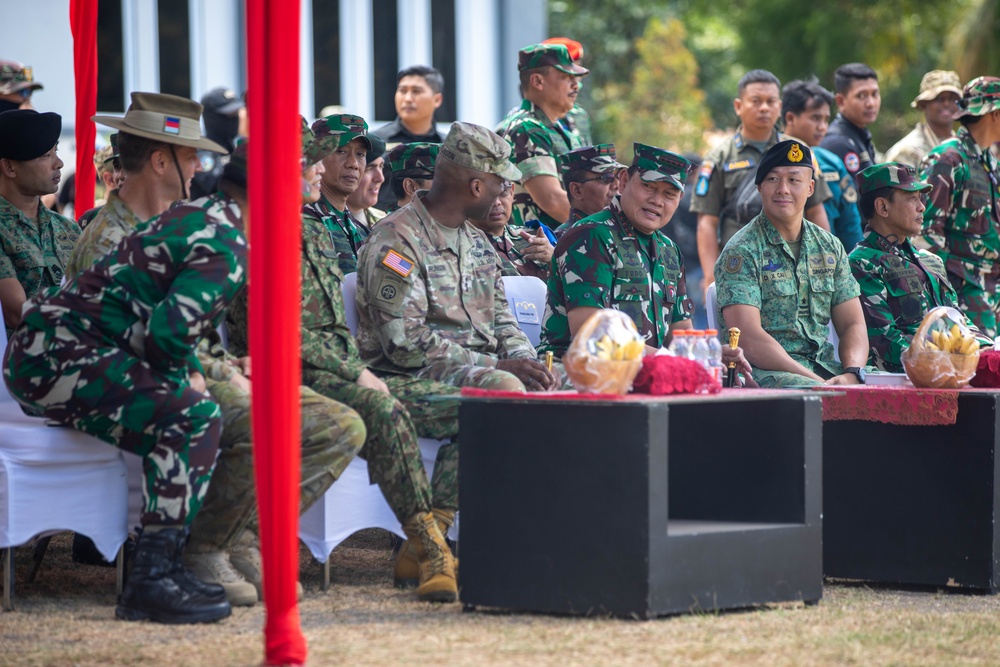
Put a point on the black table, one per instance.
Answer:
(641, 508)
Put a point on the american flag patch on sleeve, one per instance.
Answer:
(398, 263)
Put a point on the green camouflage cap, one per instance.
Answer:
(936, 82)
(478, 148)
(312, 150)
(14, 76)
(979, 97)
(658, 164)
(104, 160)
(598, 158)
(415, 160)
(890, 175)
(339, 130)
(548, 55)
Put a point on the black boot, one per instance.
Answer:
(160, 589)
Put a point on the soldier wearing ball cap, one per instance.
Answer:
(430, 296)
(781, 280)
(590, 176)
(939, 94)
(619, 258)
(411, 168)
(36, 242)
(550, 81)
(17, 84)
(899, 282)
(577, 120)
(361, 202)
(962, 220)
(345, 136)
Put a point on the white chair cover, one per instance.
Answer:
(526, 300)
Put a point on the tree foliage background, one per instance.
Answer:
(663, 72)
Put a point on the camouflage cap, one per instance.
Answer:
(340, 130)
(14, 76)
(786, 153)
(312, 150)
(104, 160)
(598, 158)
(890, 175)
(574, 47)
(658, 164)
(415, 160)
(478, 148)
(936, 82)
(549, 55)
(979, 97)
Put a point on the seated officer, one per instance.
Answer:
(411, 168)
(619, 258)
(899, 282)
(590, 176)
(781, 279)
(430, 296)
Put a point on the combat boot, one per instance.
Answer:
(214, 567)
(437, 581)
(246, 559)
(159, 589)
(406, 573)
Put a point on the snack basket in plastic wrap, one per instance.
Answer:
(606, 354)
(944, 352)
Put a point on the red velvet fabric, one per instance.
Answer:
(83, 24)
(988, 370)
(275, 200)
(905, 406)
(663, 375)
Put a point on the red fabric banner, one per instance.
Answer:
(905, 406)
(275, 200)
(83, 23)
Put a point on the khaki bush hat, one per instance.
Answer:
(167, 118)
(936, 82)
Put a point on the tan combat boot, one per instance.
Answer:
(214, 567)
(437, 581)
(245, 556)
(406, 573)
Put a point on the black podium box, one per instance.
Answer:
(914, 504)
(641, 508)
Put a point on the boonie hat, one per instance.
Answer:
(15, 76)
(160, 117)
(478, 148)
(936, 82)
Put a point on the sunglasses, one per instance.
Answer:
(606, 178)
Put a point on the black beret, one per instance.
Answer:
(784, 154)
(26, 134)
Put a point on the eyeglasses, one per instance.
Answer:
(506, 187)
(607, 178)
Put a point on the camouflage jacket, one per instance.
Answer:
(346, 235)
(899, 285)
(602, 262)
(912, 148)
(578, 122)
(159, 292)
(113, 222)
(963, 214)
(36, 253)
(510, 249)
(575, 216)
(536, 141)
(326, 343)
(423, 300)
(795, 297)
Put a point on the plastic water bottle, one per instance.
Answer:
(717, 369)
(680, 345)
(699, 349)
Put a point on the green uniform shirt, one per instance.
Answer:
(899, 285)
(536, 141)
(603, 262)
(36, 252)
(724, 170)
(795, 298)
(346, 235)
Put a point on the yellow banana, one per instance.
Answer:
(932, 346)
(936, 338)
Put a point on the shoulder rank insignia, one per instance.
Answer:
(398, 263)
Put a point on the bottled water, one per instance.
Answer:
(716, 368)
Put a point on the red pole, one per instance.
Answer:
(83, 22)
(275, 200)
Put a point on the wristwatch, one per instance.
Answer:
(859, 373)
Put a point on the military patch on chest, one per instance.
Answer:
(398, 263)
(822, 264)
(734, 263)
(391, 290)
(771, 266)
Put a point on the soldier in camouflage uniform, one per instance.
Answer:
(781, 279)
(347, 137)
(411, 168)
(510, 248)
(577, 120)
(36, 241)
(109, 170)
(962, 220)
(430, 295)
(549, 84)
(938, 98)
(618, 258)
(899, 282)
(590, 176)
(396, 411)
(112, 354)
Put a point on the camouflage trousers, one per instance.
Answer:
(980, 302)
(332, 434)
(482, 377)
(117, 397)
(781, 379)
(394, 422)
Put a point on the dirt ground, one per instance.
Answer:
(66, 618)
